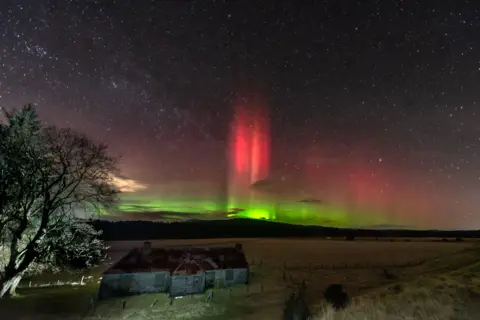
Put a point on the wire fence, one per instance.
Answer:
(286, 270)
(82, 281)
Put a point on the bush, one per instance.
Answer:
(335, 295)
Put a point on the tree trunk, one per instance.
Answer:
(9, 285)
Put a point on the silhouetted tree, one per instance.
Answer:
(46, 175)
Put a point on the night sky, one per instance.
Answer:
(373, 105)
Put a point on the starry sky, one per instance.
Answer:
(373, 105)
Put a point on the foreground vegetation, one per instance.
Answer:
(453, 295)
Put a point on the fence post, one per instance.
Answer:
(93, 300)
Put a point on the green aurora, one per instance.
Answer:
(286, 211)
(247, 190)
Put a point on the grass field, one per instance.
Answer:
(384, 279)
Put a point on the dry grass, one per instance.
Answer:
(422, 305)
(434, 276)
(448, 296)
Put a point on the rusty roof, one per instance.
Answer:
(186, 260)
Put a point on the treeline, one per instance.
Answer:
(248, 228)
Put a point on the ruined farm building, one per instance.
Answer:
(177, 270)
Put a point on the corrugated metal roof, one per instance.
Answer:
(191, 260)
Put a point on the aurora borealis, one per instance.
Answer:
(330, 191)
(248, 157)
(338, 113)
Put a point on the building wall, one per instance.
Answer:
(228, 277)
(183, 285)
(236, 276)
(210, 278)
(117, 285)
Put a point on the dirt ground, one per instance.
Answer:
(278, 267)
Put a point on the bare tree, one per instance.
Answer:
(46, 175)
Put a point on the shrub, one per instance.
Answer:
(335, 295)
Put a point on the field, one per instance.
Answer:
(378, 275)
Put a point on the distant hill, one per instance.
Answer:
(314, 201)
(249, 228)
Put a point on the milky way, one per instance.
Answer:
(373, 105)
